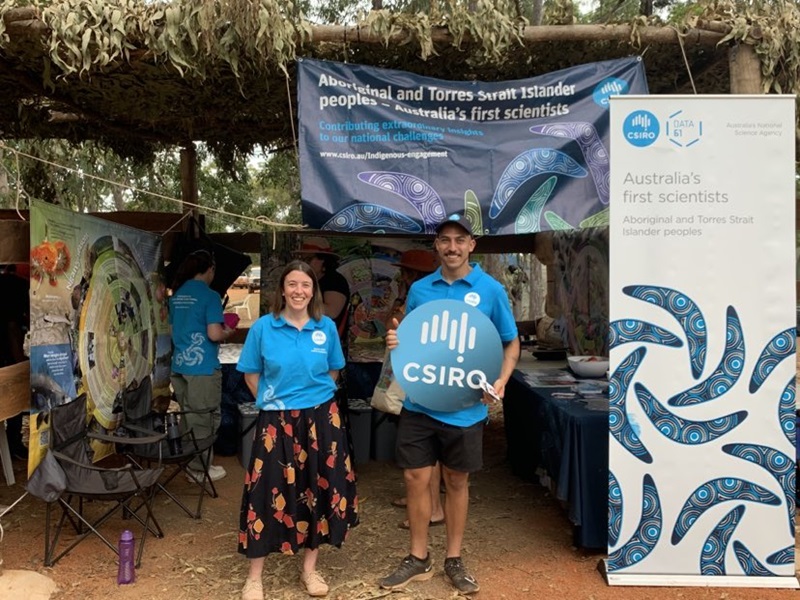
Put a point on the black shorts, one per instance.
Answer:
(422, 440)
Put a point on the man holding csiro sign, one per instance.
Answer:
(444, 355)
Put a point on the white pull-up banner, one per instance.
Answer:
(702, 335)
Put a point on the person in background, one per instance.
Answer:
(335, 290)
(414, 265)
(299, 490)
(455, 439)
(198, 327)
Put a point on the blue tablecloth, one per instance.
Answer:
(570, 443)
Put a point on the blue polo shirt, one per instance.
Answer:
(191, 309)
(293, 364)
(477, 289)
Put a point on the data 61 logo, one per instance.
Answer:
(641, 128)
(446, 349)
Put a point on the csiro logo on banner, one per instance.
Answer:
(446, 348)
(641, 128)
(611, 86)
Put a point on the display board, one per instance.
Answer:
(702, 336)
(99, 321)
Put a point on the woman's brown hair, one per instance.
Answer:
(315, 310)
(194, 263)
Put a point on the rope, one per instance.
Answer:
(685, 59)
(176, 223)
(2, 533)
(260, 220)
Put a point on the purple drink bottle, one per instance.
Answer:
(127, 571)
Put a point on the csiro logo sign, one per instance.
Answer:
(641, 128)
(611, 86)
(445, 350)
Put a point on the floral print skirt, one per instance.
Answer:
(300, 487)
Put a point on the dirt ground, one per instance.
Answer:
(518, 544)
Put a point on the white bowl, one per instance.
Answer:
(588, 366)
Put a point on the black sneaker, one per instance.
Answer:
(411, 569)
(459, 576)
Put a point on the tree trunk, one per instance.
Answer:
(5, 190)
(537, 12)
(188, 177)
(117, 193)
(745, 70)
(531, 35)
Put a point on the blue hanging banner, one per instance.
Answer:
(393, 152)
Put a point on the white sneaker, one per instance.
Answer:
(215, 473)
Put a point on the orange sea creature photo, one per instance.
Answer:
(49, 260)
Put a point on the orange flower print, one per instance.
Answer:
(288, 473)
(302, 456)
(278, 501)
(331, 460)
(252, 477)
(270, 436)
(348, 468)
(254, 525)
(322, 526)
(334, 417)
(312, 436)
(286, 548)
(309, 499)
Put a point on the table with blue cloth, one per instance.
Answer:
(567, 442)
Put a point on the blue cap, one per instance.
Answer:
(456, 219)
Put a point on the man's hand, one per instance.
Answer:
(391, 336)
(495, 394)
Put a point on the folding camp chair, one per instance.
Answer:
(68, 478)
(139, 420)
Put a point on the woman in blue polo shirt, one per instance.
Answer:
(299, 490)
(195, 314)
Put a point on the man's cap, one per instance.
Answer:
(456, 219)
(316, 245)
(417, 260)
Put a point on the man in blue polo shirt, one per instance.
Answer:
(453, 438)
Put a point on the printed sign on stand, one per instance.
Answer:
(702, 462)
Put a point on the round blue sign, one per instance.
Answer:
(446, 348)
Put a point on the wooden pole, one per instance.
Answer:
(530, 35)
(745, 70)
(188, 177)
